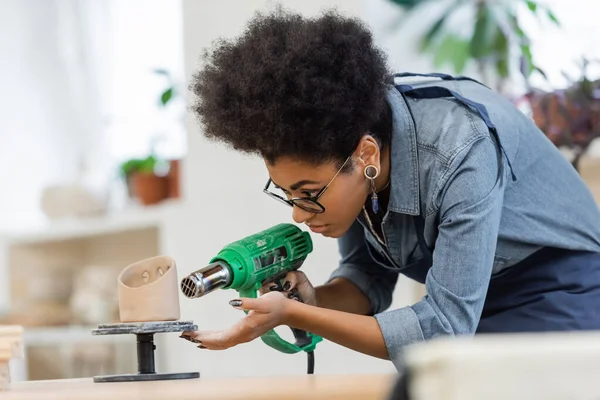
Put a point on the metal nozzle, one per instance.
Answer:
(206, 280)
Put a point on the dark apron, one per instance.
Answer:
(551, 290)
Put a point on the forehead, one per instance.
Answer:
(287, 171)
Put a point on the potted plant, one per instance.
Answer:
(144, 179)
(167, 96)
(496, 37)
(570, 117)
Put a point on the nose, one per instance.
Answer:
(300, 216)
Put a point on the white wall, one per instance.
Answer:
(224, 202)
(38, 128)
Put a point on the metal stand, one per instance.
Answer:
(144, 332)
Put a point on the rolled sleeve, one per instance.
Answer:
(470, 204)
(356, 265)
(399, 328)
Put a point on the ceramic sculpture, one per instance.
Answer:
(148, 291)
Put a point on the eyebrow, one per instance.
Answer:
(298, 184)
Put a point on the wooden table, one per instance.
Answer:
(331, 387)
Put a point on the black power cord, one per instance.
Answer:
(310, 369)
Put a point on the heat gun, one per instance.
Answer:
(249, 263)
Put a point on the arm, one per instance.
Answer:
(342, 295)
(345, 304)
(470, 205)
(358, 285)
(357, 332)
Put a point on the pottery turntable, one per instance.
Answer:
(144, 332)
(148, 304)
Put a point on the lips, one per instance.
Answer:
(318, 228)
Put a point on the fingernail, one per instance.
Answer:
(235, 303)
(190, 339)
(286, 285)
(274, 287)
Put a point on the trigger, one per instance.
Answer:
(302, 337)
(275, 286)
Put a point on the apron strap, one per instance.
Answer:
(444, 77)
(436, 92)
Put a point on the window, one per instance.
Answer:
(144, 35)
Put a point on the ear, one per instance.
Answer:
(368, 151)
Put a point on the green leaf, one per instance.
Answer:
(528, 58)
(429, 37)
(408, 4)
(443, 53)
(501, 51)
(166, 96)
(502, 68)
(145, 165)
(461, 55)
(517, 28)
(432, 32)
(532, 5)
(483, 36)
(452, 50)
(552, 17)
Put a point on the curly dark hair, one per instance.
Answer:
(308, 88)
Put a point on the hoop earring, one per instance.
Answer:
(371, 172)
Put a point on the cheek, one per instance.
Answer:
(349, 201)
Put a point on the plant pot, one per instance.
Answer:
(148, 291)
(149, 188)
(174, 179)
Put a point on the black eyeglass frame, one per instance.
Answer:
(295, 201)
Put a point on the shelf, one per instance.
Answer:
(51, 336)
(130, 219)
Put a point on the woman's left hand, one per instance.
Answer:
(264, 313)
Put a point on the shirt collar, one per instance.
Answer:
(404, 161)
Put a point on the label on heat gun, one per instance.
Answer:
(268, 259)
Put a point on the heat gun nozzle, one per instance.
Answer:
(205, 280)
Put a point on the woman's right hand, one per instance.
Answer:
(294, 284)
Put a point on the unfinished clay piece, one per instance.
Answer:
(148, 291)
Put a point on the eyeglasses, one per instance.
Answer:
(311, 203)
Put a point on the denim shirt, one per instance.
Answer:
(477, 220)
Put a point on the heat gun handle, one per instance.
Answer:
(305, 341)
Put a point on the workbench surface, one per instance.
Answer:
(347, 387)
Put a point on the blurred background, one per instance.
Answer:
(103, 165)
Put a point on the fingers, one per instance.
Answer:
(293, 279)
(212, 340)
(243, 331)
(217, 340)
(249, 304)
(269, 287)
(193, 337)
(299, 288)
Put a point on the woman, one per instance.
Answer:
(441, 180)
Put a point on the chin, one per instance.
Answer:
(332, 233)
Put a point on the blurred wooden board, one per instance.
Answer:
(589, 169)
(11, 342)
(11, 346)
(330, 387)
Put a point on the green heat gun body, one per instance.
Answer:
(247, 264)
